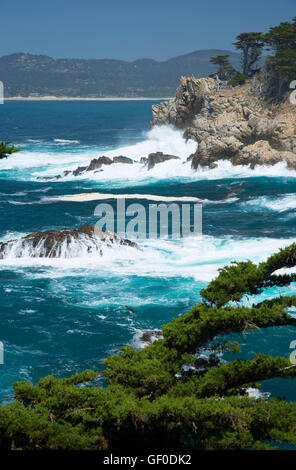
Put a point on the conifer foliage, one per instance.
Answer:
(167, 394)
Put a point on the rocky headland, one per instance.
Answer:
(64, 243)
(230, 124)
(235, 124)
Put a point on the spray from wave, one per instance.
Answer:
(195, 258)
(44, 162)
(66, 243)
(282, 203)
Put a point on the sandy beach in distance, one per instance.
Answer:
(69, 98)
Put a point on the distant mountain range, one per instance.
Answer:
(40, 75)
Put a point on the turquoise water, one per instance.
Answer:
(62, 316)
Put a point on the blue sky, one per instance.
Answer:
(131, 29)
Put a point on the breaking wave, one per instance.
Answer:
(66, 141)
(86, 197)
(189, 258)
(65, 246)
(281, 203)
(44, 160)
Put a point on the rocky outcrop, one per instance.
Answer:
(95, 165)
(149, 336)
(261, 153)
(64, 243)
(155, 158)
(122, 159)
(189, 101)
(230, 124)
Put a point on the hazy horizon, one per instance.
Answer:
(233, 51)
(130, 31)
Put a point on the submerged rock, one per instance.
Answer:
(130, 310)
(64, 243)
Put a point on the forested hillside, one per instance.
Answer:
(27, 74)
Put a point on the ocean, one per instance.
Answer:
(60, 316)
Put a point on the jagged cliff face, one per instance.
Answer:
(189, 101)
(230, 124)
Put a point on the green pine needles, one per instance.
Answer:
(165, 394)
(279, 64)
(7, 149)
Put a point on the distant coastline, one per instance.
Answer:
(25, 74)
(69, 98)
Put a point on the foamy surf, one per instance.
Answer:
(86, 197)
(143, 338)
(44, 162)
(282, 203)
(121, 175)
(66, 243)
(189, 258)
(66, 141)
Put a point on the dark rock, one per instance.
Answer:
(130, 310)
(96, 163)
(158, 157)
(203, 363)
(148, 336)
(79, 170)
(122, 159)
(45, 178)
(53, 243)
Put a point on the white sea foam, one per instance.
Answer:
(83, 197)
(86, 197)
(11, 236)
(137, 341)
(19, 203)
(285, 271)
(66, 141)
(120, 174)
(281, 203)
(191, 258)
(164, 138)
(45, 161)
(257, 393)
(79, 246)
